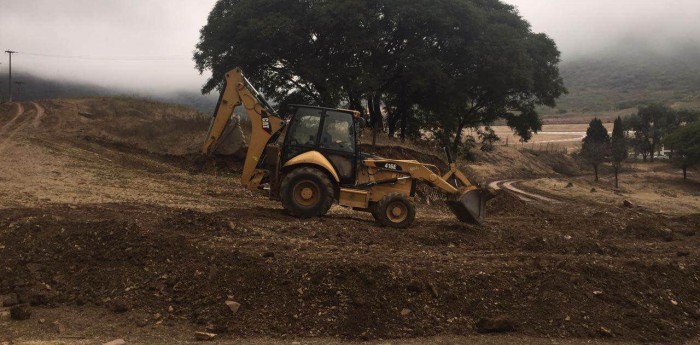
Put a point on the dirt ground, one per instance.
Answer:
(108, 227)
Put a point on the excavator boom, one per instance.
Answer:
(264, 122)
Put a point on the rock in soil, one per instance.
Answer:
(59, 327)
(116, 342)
(495, 325)
(9, 300)
(233, 305)
(204, 336)
(119, 307)
(20, 312)
(627, 204)
(606, 332)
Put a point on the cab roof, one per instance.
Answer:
(355, 113)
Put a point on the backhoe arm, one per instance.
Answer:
(238, 91)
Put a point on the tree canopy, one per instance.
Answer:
(685, 143)
(652, 124)
(434, 65)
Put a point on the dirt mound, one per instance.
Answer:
(507, 162)
(152, 126)
(342, 276)
(507, 204)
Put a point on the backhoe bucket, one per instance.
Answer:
(470, 206)
(231, 140)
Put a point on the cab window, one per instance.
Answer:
(304, 128)
(338, 132)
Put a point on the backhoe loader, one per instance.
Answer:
(310, 160)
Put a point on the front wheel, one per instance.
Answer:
(307, 192)
(395, 210)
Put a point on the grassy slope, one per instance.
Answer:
(627, 80)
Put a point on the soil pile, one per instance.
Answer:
(343, 276)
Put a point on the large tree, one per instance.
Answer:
(439, 66)
(596, 145)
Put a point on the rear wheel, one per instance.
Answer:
(307, 192)
(395, 210)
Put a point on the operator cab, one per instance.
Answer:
(332, 132)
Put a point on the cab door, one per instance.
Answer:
(331, 133)
(337, 144)
(303, 134)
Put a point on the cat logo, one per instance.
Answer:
(266, 125)
(392, 166)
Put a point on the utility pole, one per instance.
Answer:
(10, 83)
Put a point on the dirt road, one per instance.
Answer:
(106, 216)
(509, 186)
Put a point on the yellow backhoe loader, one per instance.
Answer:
(310, 160)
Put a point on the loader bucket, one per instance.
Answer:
(470, 206)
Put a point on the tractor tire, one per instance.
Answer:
(307, 192)
(396, 211)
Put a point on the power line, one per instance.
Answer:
(111, 58)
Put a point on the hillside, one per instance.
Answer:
(107, 231)
(36, 88)
(624, 80)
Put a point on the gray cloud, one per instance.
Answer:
(121, 30)
(584, 28)
(115, 31)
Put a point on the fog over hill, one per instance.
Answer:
(632, 75)
(621, 77)
(615, 54)
(35, 88)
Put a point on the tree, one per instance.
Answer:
(650, 125)
(685, 142)
(436, 66)
(619, 150)
(596, 145)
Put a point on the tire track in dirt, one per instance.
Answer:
(508, 185)
(40, 112)
(5, 142)
(20, 111)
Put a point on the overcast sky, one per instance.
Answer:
(147, 44)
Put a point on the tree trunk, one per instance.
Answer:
(404, 124)
(391, 123)
(595, 169)
(356, 104)
(617, 170)
(458, 135)
(376, 116)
